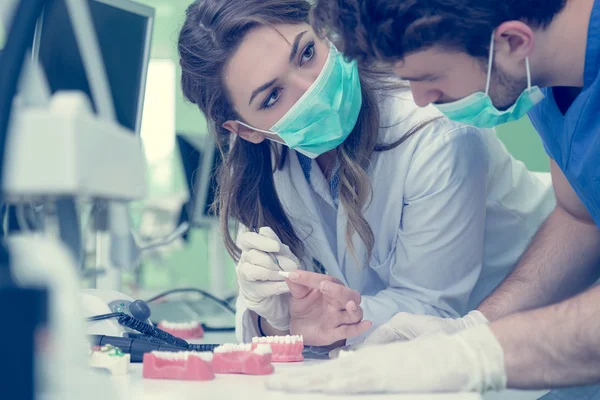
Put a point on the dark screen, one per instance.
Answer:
(122, 36)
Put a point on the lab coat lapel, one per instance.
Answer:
(349, 265)
(299, 202)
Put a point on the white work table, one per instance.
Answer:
(227, 387)
(135, 387)
(242, 387)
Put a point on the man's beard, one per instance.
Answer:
(504, 89)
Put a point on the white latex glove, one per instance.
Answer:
(471, 360)
(405, 326)
(264, 291)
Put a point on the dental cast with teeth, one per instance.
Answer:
(371, 205)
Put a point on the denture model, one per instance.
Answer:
(183, 330)
(242, 359)
(284, 348)
(111, 358)
(182, 365)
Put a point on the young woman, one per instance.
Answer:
(345, 176)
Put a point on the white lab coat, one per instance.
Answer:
(451, 212)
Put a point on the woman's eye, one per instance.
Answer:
(272, 99)
(308, 54)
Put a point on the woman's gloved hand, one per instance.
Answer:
(264, 291)
(404, 326)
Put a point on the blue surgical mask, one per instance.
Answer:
(478, 110)
(326, 113)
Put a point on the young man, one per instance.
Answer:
(482, 62)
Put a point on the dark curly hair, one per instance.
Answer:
(389, 30)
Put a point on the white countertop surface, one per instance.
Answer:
(134, 387)
(241, 387)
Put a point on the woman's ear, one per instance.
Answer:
(244, 132)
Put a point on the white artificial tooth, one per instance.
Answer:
(254, 340)
(262, 349)
(161, 354)
(288, 339)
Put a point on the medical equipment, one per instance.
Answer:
(206, 307)
(113, 316)
(104, 302)
(123, 29)
(116, 314)
(200, 160)
(137, 347)
(28, 322)
(58, 148)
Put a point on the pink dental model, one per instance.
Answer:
(242, 359)
(284, 348)
(183, 330)
(183, 365)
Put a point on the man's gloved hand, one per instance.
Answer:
(405, 326)
(471, 360)
(264, 291)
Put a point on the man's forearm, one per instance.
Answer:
(554, 346)
(560, 262)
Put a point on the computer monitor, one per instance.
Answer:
(124, 30)
(200, 160)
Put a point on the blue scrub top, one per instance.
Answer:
(573, 139)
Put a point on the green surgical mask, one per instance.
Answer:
(326, 113)
(478, 110)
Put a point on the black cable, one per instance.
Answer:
(150, 339)
(104, 316)
(230, 299)
(140, 326)
(208, 328)
(19, 39)
(203, 347)
(221, 302)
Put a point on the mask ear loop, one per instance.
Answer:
(528, 73)
(490, 60)
(262, 131)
